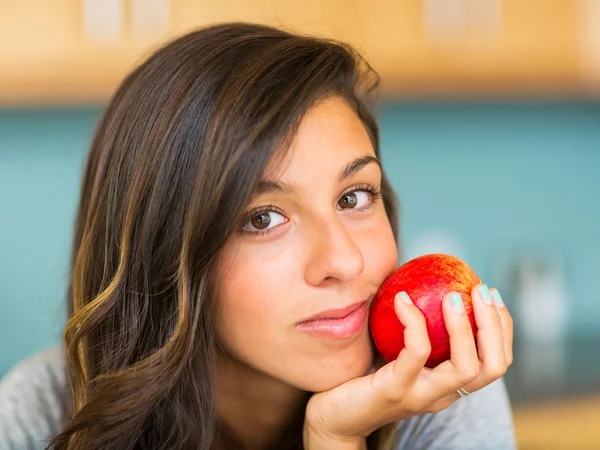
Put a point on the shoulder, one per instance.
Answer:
(33, 399)
(482, 420)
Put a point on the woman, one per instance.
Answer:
(233, 195)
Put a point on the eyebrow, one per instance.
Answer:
(353, 167)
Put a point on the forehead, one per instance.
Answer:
(329, 135)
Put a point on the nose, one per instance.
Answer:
(333, 254)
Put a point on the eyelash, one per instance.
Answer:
(373, 191)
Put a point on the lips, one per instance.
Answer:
(337, 324)
(335, 313)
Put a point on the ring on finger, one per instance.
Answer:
(462, 392)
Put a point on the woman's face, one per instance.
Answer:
(317, 238)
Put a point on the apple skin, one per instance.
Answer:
(426, 279)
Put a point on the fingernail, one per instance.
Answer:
(457, 303)
(404, 296)
(485, 294)
(497, 298)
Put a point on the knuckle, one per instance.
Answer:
(509, 361)
(496, 321)
(497, 370)
(464, 330)
(423, 351)
(420, 320)
(437, 407)
(469, 372)
(507, 322)
(412, 409)
(315, 418)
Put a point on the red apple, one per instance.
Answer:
(426, 279)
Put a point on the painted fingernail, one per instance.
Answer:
(497, 298)
(485, 294)
(457, 303)
(405, 298)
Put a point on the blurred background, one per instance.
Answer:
(490, 126)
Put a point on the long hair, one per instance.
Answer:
(174, 161)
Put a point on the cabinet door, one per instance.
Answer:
(470, 46)
(77, 51)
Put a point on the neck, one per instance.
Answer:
(257, 408)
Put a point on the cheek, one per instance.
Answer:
(378, 247)
(249, 309)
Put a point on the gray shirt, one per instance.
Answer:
(32, 405)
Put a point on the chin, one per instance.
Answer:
(328, 372)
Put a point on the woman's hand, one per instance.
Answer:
(342, 417)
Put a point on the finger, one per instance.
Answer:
(480, 307)
(371, 401)
(463, 365)
(507, 325)
(417, 347)
(450, 398)
(490, 339)
(441, 403)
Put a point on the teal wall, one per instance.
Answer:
(505, 179)
(497, 177)
(41, 159)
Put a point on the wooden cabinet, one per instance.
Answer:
(53, 51)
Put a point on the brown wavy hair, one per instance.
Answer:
(173, 162)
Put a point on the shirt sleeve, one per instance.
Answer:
(33, 401)
(480, 421)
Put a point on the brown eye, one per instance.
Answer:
(348, 201)
(260, 221)
(264, 221)
(354, 200)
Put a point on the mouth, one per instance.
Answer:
(337, 324)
